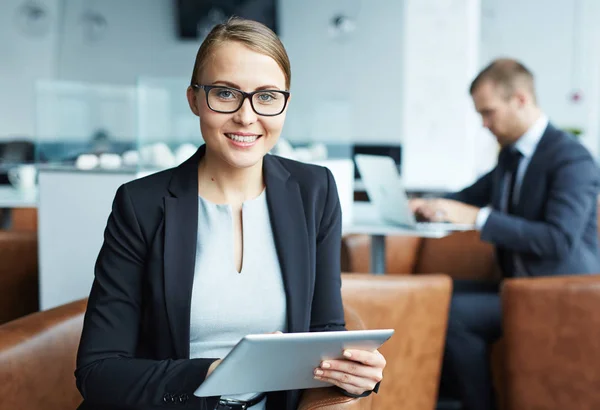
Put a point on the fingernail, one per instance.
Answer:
(325, 365)
(347, 353)
(318, 372)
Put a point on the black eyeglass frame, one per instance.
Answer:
(207, 88)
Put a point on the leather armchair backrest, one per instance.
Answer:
(18, 274)
(401, 253)
(37, 359)
(462, 255)
(417, 308)
(552, 340)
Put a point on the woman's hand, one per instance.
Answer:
(212, 367)
(217, 362)
(358, 373)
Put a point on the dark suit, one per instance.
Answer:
(134, 350)
(552, 230)
(553, 227)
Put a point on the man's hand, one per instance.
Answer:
(416, 203)
(446, 210)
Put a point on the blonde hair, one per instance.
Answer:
(508, 74)
(254, 35)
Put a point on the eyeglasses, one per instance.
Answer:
(227, 100)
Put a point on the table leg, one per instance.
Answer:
(378, 254)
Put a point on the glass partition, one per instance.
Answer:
(75, 121)
(168, 132)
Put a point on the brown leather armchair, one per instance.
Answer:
(552, 338)
(415, 307)
(37, 361)
(462, 255)
(24, 219)
(18, 274)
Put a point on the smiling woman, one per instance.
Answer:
(244, 76)
(232, 242)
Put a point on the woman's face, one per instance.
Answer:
(240, 139)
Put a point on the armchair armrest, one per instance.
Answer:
(329, 398)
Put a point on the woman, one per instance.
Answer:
(231, 242)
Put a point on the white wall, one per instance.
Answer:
(341, 89)
(140, 39)
(559, 41)
(349, 88)
(24, 58)
(439, 124)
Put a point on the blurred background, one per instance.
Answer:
(109, 77)
(93, 95)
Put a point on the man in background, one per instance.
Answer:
(537, 206)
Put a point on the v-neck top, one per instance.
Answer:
(226, 304)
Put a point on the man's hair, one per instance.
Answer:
(507, 74)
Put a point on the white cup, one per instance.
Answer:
(110, 161)
(23, 177)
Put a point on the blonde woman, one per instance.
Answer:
(234, 241)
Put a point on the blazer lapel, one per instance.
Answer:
(532, 172)
(181, 228)
(288, 222)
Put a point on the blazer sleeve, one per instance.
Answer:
(108, 373)
(479, 194)
(327, 311)
(572, 196)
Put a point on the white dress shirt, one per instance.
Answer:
(526, 145)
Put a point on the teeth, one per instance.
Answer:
(239, 138)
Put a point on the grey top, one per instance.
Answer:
(227, 305)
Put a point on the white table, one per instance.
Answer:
(366, 220)
(14, 198)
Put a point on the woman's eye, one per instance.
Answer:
(225, 94)
(266, 97)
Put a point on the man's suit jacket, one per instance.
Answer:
(134, 349)
(553, 227)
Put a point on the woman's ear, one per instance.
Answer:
(192, 100)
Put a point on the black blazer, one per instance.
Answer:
(134, 349)
(554, 225)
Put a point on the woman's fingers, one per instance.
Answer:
(337, 380)
(352, 368)
(366, 357)
(359, 372)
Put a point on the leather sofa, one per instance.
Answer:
(461, 255)
(37, 352)
(18, 274)
(552, 340)
(417, 308)
(24, 219)
(19, 265)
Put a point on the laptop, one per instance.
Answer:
(387, 194)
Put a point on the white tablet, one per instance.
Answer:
(273, 362)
